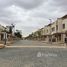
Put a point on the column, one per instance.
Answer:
(62, 37)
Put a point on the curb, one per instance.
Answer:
(35, 47)
(2, 46)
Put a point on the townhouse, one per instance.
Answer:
(48, 33)
(40, 34)
(35, 35)
(57, 31)
(2, 30)
(61, 29)
(53, 32)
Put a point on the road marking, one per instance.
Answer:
(35, 47)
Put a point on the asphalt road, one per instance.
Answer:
(31, 43)
(33, 57)
(28, 42)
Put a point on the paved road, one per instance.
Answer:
(33, 57)
(30, 43)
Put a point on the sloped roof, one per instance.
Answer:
(64, 17)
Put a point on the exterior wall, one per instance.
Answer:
(53, 26)
(64, 22)
(59, 23)
(7, 28)
(36, 34)
(64, 30)
(59, 35)
(47, 33)
(2, 28)
(47, 30)
(43, 31)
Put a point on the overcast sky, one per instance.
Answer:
(30, 15)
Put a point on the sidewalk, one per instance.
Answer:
(2, 46)
(8, 43)
(55, 43)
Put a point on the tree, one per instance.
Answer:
(18, 34)
(10, 28)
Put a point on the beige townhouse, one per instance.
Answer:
(47, 33)
(41, 33)
(2, 28)
(62, 28)
(59, 29)
(55, 32)
(35, 35)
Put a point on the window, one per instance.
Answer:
(56, 27)
(63, 26)
(53, 29)
(47, 31)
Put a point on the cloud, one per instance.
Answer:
(5, 3)
(28, 4)
(29, 15)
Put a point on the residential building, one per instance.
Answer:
(59, 30)
(2, 28)
(62, 28)
(53, 32)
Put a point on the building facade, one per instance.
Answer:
(53, 32)
(58, 30)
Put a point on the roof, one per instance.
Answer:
(64, 17)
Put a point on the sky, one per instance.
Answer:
(30, 15)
